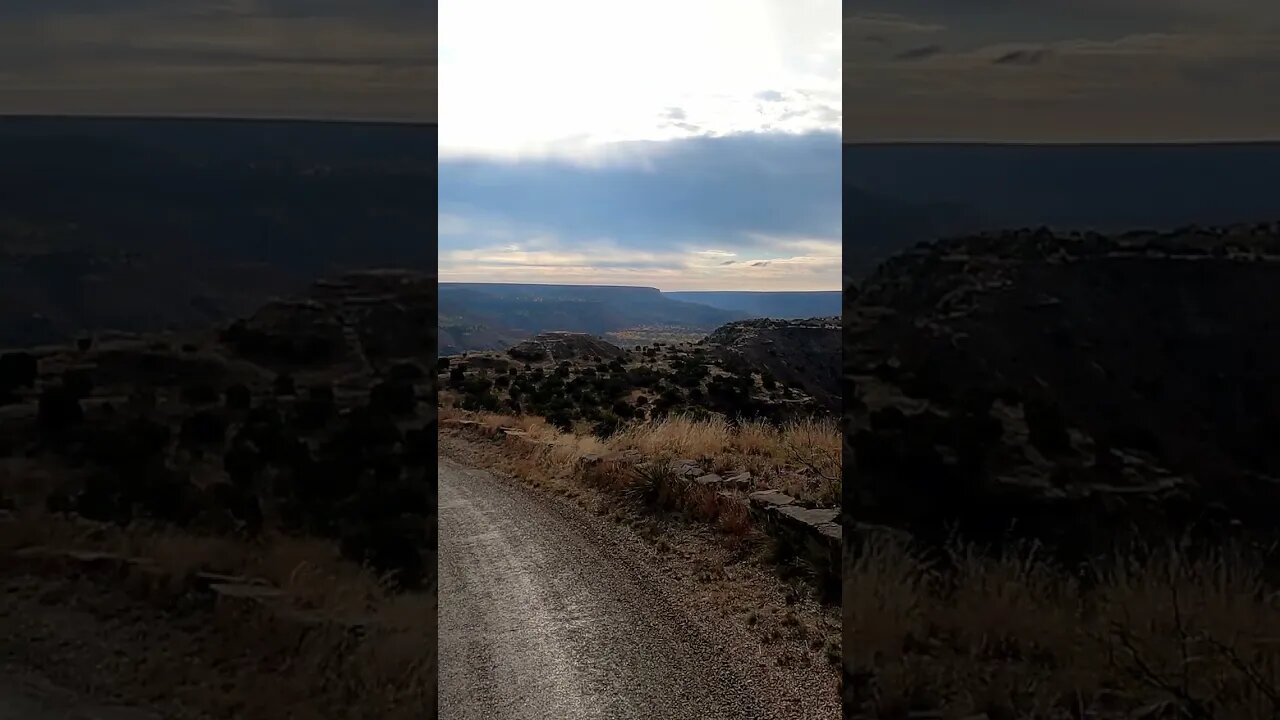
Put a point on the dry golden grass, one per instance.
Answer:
(734, 520)
(756, 437)
(676, 436)
(814, 443)
(1015, 636)
(392, 668)
(556, 458)
(801, 458)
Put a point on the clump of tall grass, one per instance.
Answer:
(1013, 634)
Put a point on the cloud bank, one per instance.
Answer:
(323, 59)
(1053, 70)
(745, 212)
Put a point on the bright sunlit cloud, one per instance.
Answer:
(677, 145)
(566, 78)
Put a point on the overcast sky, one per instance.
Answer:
(322, 59)
(1062, 70)
(681, 145)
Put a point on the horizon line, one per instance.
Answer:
(628, 287)
(1068, 143)
(199, 117)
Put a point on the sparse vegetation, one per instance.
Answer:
(800, 457)
(661, 430)
(648, 335)
(242, 463)
(1023, 565)
(585, 389)
(1164, 632)
(294, 465)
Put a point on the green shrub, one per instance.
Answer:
(481, 401)
(608, 425)
(457, 375)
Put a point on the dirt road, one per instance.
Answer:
(548, 611)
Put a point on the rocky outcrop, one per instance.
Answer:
(799, 353)
(372, 318)
(812, 533)
(290, 333)
(1069, 383)
(557, 346)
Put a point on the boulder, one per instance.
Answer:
(770, 499)
(686, 469)
(738, 481)
(710, 480)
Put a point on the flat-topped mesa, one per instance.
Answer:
(731, 332)
(560, 345)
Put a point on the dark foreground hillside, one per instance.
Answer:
(282, 464)
(1061, 480)
(273, 422)
(1071, 378)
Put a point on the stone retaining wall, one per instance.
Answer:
(812, 533)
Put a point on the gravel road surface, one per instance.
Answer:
(548, 611)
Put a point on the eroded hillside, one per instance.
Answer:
(276, 423)
(1074, 383)
(751, 369)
